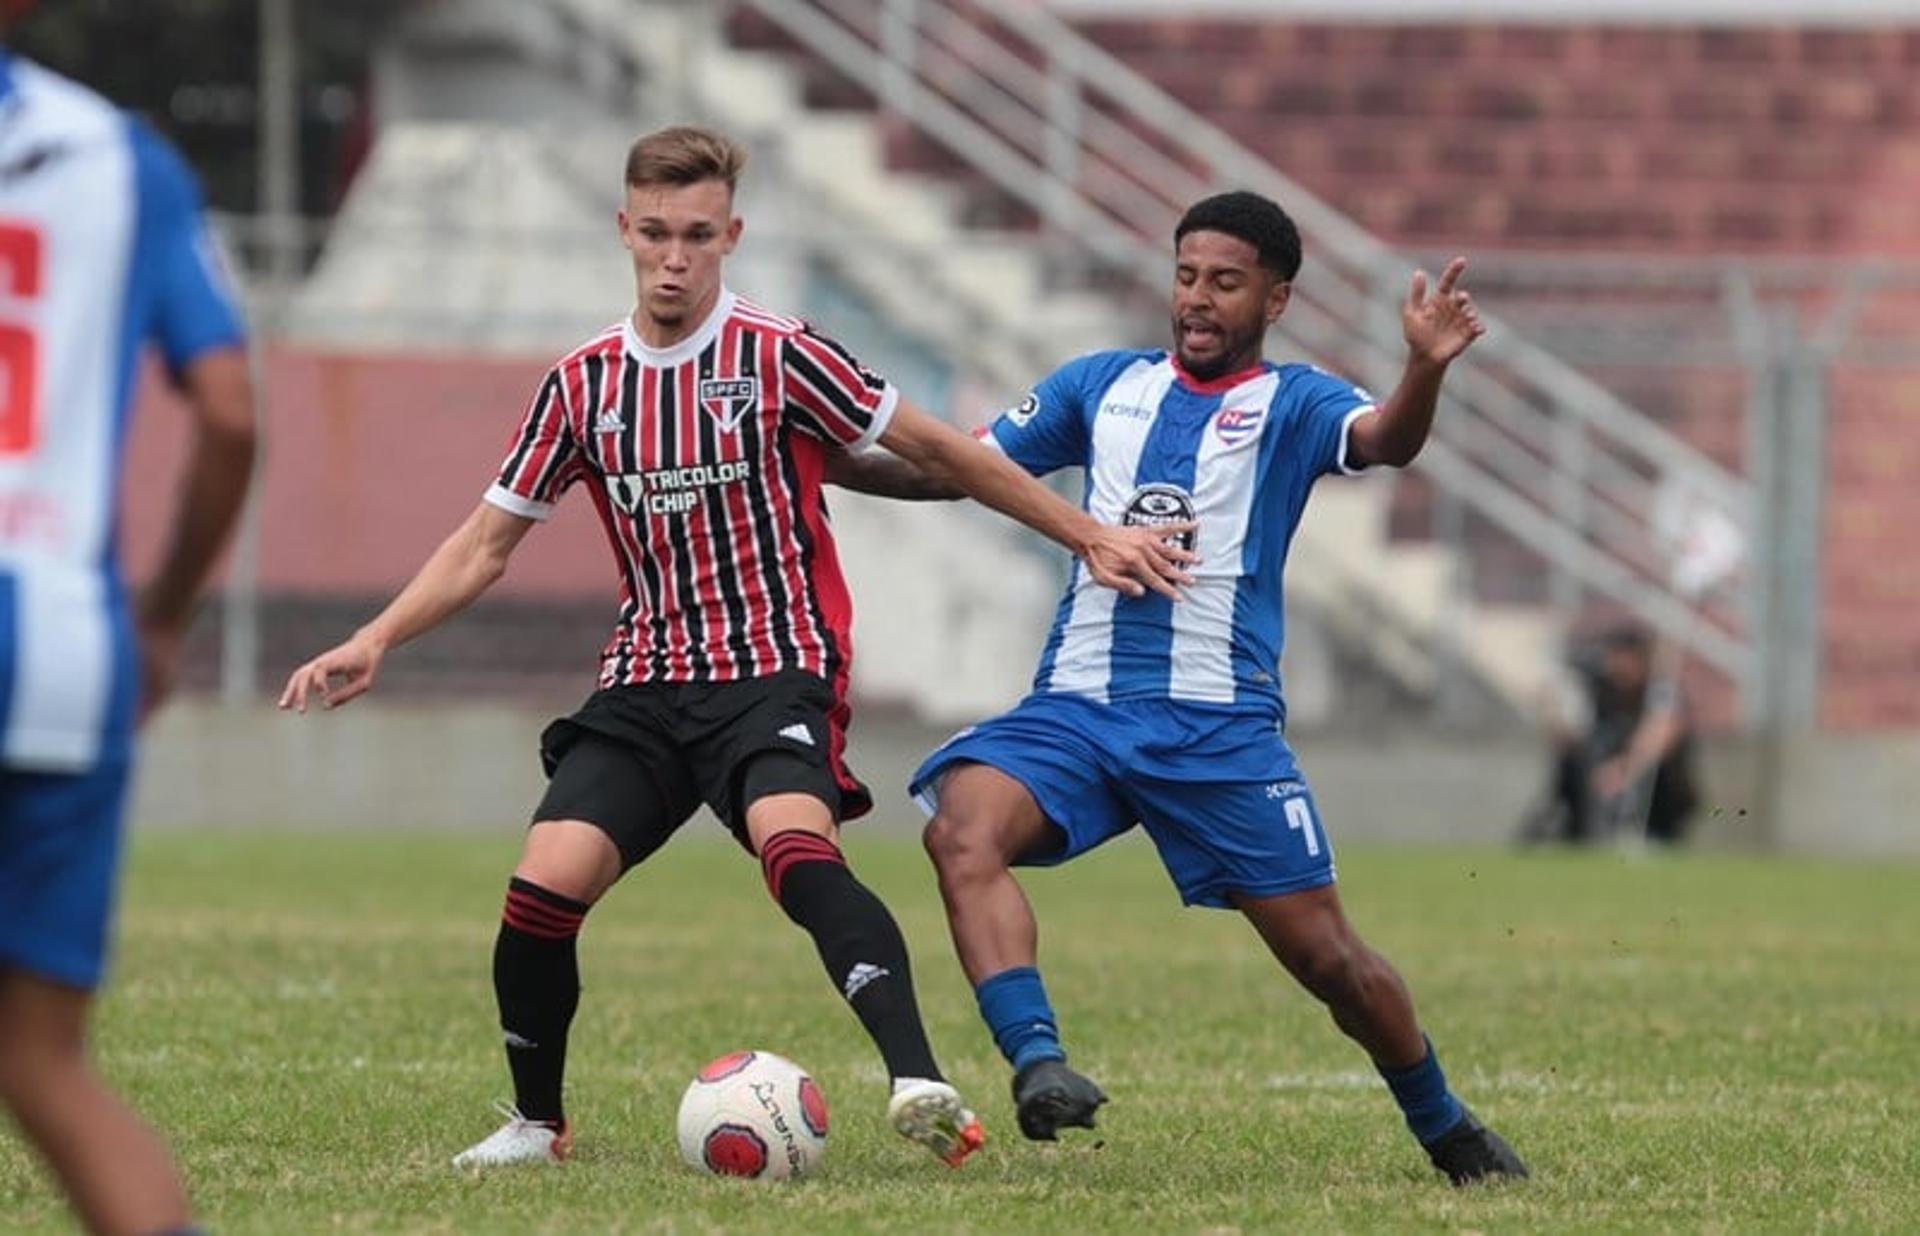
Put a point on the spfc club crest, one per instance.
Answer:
(728, 399)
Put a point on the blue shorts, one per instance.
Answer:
(60, 837)
(1215, 786)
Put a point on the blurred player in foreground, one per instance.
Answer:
(700, 428)
(1169, 715)
(102, 249)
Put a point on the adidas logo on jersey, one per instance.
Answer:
(799, 733)
(609, 421)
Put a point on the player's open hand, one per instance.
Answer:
(1131, 560)
(1444, 324)
(336, 675)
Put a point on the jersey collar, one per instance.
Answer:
(1215, 386)
(688, 348)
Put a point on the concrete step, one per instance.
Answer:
(1349, 514)
(1515, 648)
(993, 273)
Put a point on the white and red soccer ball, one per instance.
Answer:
(754, 1114)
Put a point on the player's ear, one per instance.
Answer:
(1277, 297)
(734, 225)
(626, 232)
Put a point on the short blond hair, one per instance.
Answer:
(685, 155)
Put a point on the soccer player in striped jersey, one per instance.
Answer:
(1168, 715)
(102, 250)
(700, 429)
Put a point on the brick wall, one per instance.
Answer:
(1871, 590)
(1691, 139)
(370, 462)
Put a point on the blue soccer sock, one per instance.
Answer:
(1014, 1005)
(1421, 1091)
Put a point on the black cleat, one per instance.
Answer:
(1048, 1095)
(1470, 1152)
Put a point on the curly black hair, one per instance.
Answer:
(1255, 219)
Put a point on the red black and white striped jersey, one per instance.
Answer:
(704, 461)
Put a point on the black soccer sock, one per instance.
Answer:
(536, 979)
(859, 942)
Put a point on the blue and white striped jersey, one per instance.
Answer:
(1237, 455)
(102, 249)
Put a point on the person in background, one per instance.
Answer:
(1622, 765)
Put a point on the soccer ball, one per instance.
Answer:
(752, 1113)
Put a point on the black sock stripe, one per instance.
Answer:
(789, 849)
(798, 839)
(522, 914)
(558, 902)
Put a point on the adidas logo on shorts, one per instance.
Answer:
(799, 733)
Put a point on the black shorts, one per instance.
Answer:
(639, 760)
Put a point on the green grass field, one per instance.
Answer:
(1701, 1043)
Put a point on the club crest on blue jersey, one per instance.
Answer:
(1235, 425)
(728, 399)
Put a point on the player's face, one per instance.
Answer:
(1223, 302)
(678, 235)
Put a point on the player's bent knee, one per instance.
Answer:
(962, 845)
(570, 857)
(945, 840)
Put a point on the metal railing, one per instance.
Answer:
(1107, 161)
(1771, 334)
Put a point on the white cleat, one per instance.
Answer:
(519, 1140)
(930, 1112)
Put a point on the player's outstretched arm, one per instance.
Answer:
(885, 475)
(1129, 560)
(1438, 328)
(465, 565)
(220, 392)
